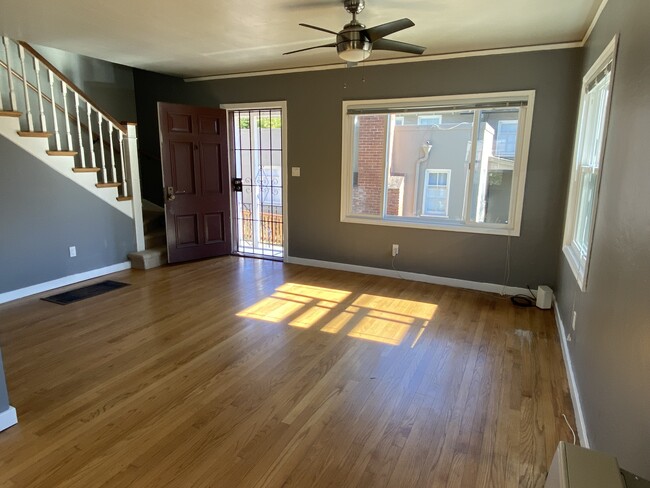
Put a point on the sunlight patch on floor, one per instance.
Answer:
(369, 317)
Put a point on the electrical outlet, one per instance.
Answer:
(395, 250)
(573, 320)
(73, 251)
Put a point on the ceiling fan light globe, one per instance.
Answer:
(354, 51)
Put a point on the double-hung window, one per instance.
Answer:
(436, 193)
(451, 163)
(587, 163)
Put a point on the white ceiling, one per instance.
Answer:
(212, 37)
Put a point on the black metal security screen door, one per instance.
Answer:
(257, 162)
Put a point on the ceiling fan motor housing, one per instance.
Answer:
(352, 44)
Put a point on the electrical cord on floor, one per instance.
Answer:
(524, 300)
(570, 428)
(392, 265)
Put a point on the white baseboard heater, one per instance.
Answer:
(578, 467)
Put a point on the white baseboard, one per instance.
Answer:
(67, 280)
(573, 386)
(391, 273)
(8, 418)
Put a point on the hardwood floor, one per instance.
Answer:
(246, 373)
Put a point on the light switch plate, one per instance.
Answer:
(295, 171)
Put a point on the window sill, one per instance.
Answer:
(444, 226)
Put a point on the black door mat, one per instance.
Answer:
(84, 292)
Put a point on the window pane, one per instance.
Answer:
(586, 200)
(426, 156)
(369, 163)
(494, 165)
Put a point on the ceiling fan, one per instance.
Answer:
(355, 42)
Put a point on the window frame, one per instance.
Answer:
(577, 258)
(513, 228)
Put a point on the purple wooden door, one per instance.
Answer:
(195, 177)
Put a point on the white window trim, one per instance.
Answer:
(427, 172)
(578, 262)
(519, 173)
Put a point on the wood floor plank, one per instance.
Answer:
(246, 373)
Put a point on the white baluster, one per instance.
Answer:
(64, 89)
(91, 142)
(125, 186)
(39, 91)
(111, 128)
(12, 91)
(57, 137)
(101, 148)
(81, 142)
(28, 109)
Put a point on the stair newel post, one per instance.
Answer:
(111, 130)
(28, 109)
(101, 148)
(91, 141)
(12, 91)
(131, 151)
(82, 152)
(64, 89)
(39, 91)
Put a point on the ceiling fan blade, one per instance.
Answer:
(403, 47)
(319, 28)
(383, 30)
(310, 48)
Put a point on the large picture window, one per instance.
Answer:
(454, 163)
(587, 163)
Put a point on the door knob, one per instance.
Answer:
(170, 193)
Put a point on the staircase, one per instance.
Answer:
(46, 114)
(155, 253)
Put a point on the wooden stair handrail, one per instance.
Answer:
(74, 87)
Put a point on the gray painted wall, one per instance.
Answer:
(314, 143)
(109, 85)
(4, 396)
(610, 350)
(42, 213)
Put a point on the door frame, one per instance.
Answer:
(282, 105)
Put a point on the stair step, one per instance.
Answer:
(155, 239)
(23, 133)
(62, 153)
(124, 199)
(153, 221)
(149, 258)
(10, 113)
(85, 170)
(107, 185)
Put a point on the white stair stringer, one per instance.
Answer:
(37, 147)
